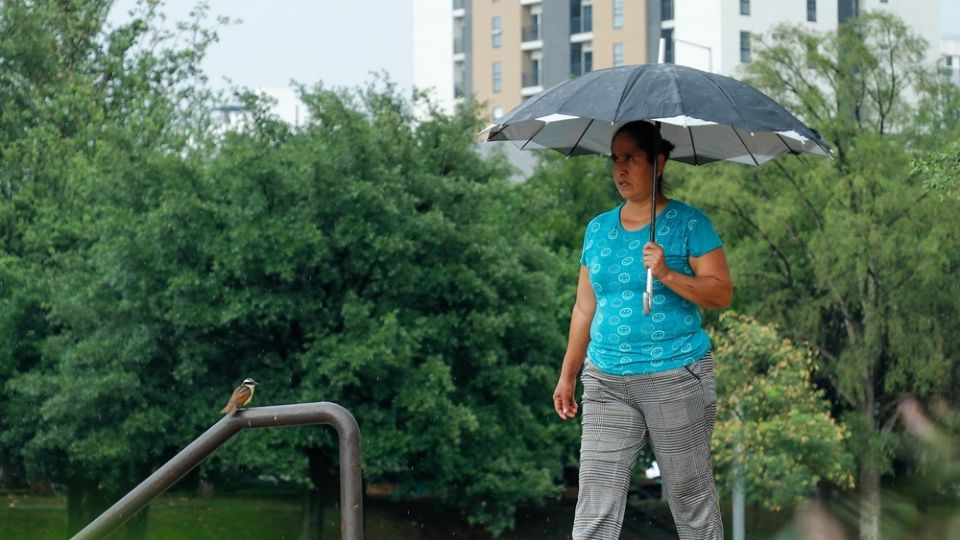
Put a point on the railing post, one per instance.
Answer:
(300, 414)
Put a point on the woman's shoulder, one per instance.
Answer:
(687, 210)
(604, 218)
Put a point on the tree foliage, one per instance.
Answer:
(851, 255)
(772, 421)
(150, 261)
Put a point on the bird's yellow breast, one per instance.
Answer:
(249, 396)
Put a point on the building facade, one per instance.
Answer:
(504, 51)
(719, 35)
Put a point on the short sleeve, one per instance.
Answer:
(702, 238)
(583, 250)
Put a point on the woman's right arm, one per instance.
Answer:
(580, 320)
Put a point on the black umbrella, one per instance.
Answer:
(707, 117)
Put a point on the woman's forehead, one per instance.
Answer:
(623, 143)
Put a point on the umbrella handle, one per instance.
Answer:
(648, 294)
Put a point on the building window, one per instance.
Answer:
(581, 58)
(949, 61)
(581, 16)
(497, 30)
(459, 76)
(744, 7)
(531, 31)
(666, 10)
(618, 13)
(847, 9)
(617, 54)
(812, 10)
(457, 4)
(532, 69)
(745, 47)
(458, 37)
(497, 77)
(667, 35)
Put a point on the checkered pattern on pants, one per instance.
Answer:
(678, 409)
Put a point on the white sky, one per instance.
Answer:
(337, 42)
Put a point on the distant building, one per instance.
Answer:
(717, 35)
(504, 51)
(950, 50)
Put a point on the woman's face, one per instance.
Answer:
(632, 173)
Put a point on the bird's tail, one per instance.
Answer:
(229, 408)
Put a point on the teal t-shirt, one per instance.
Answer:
(624, 341)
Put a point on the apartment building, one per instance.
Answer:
(504, 51)
(719, 35)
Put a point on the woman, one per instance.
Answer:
(645, 374)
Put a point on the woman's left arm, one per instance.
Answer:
(710, 285)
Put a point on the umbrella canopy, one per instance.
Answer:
(707, 117)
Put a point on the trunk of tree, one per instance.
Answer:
(206, 489)
(325, 492)
(869, 503)
(75, 515)
(869, 476)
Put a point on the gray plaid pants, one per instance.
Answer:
(678, 409)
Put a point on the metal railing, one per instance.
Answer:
(299, 414)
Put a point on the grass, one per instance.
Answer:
(279, 517)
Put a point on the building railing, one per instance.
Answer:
(531, 78)
(531, 32)
(300, 414)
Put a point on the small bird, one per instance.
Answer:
(240, 397)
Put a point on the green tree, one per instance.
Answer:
(365, 258)
(771, 419)
(851, 255)
(88, 111)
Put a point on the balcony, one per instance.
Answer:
(532, 78)
(531, 32)
(458, 46)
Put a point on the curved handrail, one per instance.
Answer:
(299, 414)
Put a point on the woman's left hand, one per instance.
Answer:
(654, 258)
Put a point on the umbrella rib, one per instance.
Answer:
(784, 141)
(744, 143)
(535, 133)
(580, 138)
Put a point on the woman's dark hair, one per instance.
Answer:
(644, 136)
